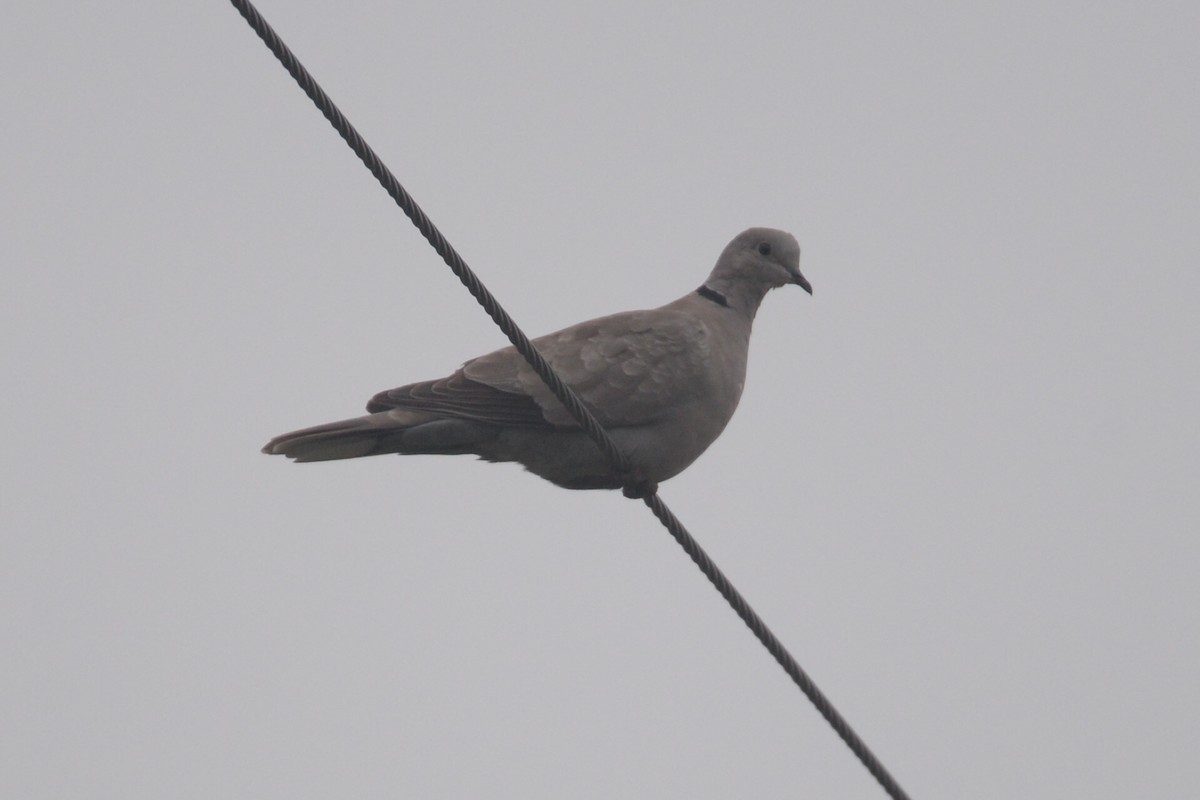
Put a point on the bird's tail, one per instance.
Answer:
(393, 431)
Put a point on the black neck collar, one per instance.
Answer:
(714, 295)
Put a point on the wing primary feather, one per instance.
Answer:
(460, 397)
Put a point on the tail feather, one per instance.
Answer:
(394, 431)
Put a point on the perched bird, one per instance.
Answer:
(663, 383)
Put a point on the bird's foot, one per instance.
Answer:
(637, 487)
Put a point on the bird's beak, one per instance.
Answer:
(801, 281)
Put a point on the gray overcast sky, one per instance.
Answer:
(961, 486)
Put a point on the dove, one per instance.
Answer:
(663, 382)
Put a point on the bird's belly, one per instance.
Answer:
(655, 452)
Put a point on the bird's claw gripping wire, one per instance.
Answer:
(636, 487)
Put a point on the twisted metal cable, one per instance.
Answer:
(567, 397)
(435, 238)
(775, 647)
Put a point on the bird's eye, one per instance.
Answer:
(764, 248)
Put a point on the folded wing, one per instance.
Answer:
(630, 369)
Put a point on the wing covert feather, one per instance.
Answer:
(629, 369)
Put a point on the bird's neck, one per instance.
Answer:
(736, 295)
(713, 295)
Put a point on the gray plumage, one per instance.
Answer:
(663, 382)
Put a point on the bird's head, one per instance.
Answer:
(756, 261)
